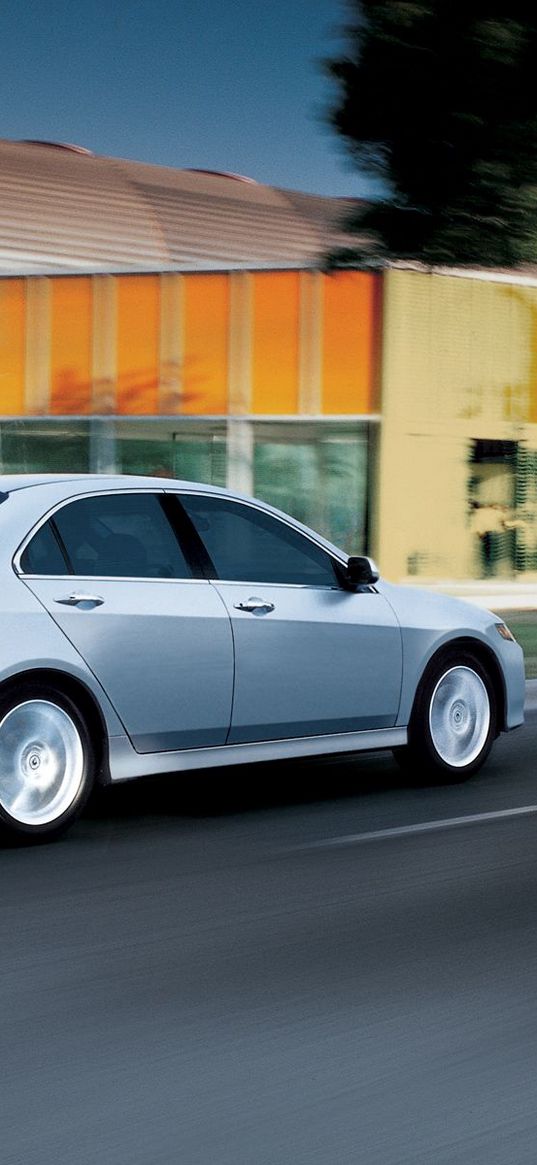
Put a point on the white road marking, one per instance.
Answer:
(422, 827)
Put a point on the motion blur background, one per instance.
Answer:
(182, 319)
(176, 322)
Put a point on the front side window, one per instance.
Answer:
(114, 535)
(247, 545)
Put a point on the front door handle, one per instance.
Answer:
(79, 600)
(255, 605)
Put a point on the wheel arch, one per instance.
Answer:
(85, 701)
(486, 657)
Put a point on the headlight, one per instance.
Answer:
(504, 631)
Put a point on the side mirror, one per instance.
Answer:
(361, 571)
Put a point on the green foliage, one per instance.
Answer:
(438, 97)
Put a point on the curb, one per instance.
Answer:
(494, 596)
(530, 703)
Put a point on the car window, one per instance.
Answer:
(118, 535)
(247, 545)
(43, 555)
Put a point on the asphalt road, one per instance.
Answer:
(218, 975)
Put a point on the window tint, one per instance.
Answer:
(124, 535)
(248, 546)
(43, 554)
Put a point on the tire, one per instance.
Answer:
(47, 764)
(453, 723)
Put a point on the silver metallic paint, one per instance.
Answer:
(427, 622)
(30, 641)
(322, 660)
(162, 649)
(126, 764)
(430, 622)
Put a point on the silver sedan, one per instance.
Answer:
(151, 625)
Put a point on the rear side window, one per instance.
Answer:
(115, 535)
(43, 555)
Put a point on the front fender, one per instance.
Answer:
(430, 622)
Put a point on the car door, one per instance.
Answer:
(114, 576)
(311, 657)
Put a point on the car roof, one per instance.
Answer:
(18, 483)
(9, 482)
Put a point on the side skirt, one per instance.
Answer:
(126, 764)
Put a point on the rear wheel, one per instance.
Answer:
(46, 764)
(453, 722)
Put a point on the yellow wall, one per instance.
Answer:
(263, 343)
(459, 363)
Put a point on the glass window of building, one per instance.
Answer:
(317, 472)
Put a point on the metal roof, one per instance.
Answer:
(10, 482)
(64, 210)
(57, 487)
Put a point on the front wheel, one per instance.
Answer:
(453, 722)
(46, 764)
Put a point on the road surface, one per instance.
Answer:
(325, 967)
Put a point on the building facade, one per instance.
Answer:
(263, 381)
(457, 484)
(178, 323)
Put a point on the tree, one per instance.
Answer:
(439, 98)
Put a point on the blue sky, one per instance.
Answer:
(220, 84)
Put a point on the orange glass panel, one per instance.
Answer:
(351, 337)
(206, 323)
(70, 345)
(12, 317)
(138, 330)
(275, 343)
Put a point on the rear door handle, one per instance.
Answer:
(255, 605)
(79, 600)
